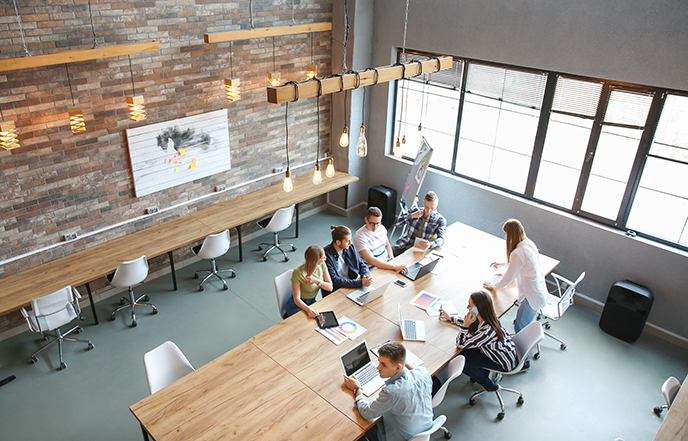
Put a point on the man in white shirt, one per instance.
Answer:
(372, 244)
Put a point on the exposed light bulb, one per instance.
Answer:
(232, 89)
(317, 176)
(288, 185)
(311, 72)
(344, 139)
(329, 171)
(362, 145)
(420, 126)
(274, 79)
(403, 140)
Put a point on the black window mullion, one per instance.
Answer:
(641, 157)
(540, 134)
(592, 146)
(464, 75)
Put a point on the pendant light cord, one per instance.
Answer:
(273, 54)
(231, 64)
(93, 29)
(250, 14)
(293, 8)
(131, 74)
(317, 152)
(403, 46)
(21, 29)
(70, 84)
(363, 107)
(346, 35)
(286, 130)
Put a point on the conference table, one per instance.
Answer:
(287, 381)
(81, 268)
(675, 424)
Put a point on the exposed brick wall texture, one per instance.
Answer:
(58, 182)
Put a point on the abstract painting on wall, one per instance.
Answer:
(175, 152)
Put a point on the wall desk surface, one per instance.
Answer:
(675, 424)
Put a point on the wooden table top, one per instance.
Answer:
(18, 290)
(299, 350)
(675, 424)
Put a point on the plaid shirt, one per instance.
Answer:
(436, 224)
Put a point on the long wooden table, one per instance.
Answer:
(675, 424)
(300, 352)
(80, 268)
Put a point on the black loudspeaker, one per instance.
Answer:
(385, 199)
(626, 309)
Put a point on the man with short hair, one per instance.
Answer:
(344, 264)
(427, 224)
(372, 244)
(404, 403)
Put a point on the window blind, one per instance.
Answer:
(576, 97)
(509, 85)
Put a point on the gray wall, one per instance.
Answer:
(643, 41)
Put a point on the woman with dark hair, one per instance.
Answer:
(306, 281)
(523, 265)
(483, 341)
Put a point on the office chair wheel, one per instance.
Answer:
(34, 360)
(79, 330)
(200, 288)
(122, 301)
(520, 401)
(133, 323)
(471, 401)
(195, 275)
(547, 325)
(155, 310)
(293, 248)
(562, 346)
(447, 434)
(233, 275)
(146, 298)
(500, 416)
(536, 356)
(63, 365)
(46, 337)
(81, 317)
(265, 258)
(286, 259)
(225, 288)
(657, 409)
(260, 248)
(90, 346)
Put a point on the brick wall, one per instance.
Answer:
(59, 182)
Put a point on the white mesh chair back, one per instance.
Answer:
(283, 290)
(130, 273)
(215, 245)
(164, 365)
(557, 305)
(670, 389)
(54, 310)
(436, 425)
(455, 369)
(281, 219)
(526, 340)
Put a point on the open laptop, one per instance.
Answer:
(356, 361)
(411, 329)
(419, 269)
(368, 293)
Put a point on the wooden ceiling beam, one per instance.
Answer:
(246, 34)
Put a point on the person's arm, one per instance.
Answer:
(515, 266)
(296, 287)
(440, 232)
(337, 279)
(327, 283)
(372, 260)
(377, 408)
(470, 341)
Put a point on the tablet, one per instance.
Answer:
(327, 319)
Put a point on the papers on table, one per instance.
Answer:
(347, 329)
(416, 244)
(447, 305)
(424, 300)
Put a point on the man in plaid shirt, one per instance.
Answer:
(428, 221)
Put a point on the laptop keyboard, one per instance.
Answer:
(367, 374)
(410, 329)
(362, 297)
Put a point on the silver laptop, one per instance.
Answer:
(411, 329)
(368, 293)
(419, 269)
(356, 361)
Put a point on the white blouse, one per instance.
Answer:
(524, 267)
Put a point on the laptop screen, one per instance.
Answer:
(356, 358)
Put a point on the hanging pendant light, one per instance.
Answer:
(311, 69)
(274, 77)
(232, 84)
(362, 144)
(317, 176)
(329, 171)
(397, 150)
(8, 134)
(288, 184)
(344, 139)
(76, 115)
(136, 103)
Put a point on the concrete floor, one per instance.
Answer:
(599, 388)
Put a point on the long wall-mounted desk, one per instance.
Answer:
(80, 268)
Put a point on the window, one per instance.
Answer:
(609, 152)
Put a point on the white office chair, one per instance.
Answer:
(557, 304)
(127, 275)
(213, 246)
(280, 221)
(164, 365)
(436, 425)
(669, 390)
(50, 312)
(283, 290)
(455, 370)
(525, 342)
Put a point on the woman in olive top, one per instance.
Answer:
(307, 280)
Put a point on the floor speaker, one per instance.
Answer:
(626, 309)
(385, 199)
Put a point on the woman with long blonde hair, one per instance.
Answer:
(306, 281)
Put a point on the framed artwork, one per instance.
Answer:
(172, 153)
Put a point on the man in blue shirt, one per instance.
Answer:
(426, 224)
(344, 264)
(404, 403)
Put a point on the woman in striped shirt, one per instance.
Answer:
(483, 341)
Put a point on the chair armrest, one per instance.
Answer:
(32, 326)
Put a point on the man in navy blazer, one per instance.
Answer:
(344, 264)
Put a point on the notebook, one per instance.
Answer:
(356, 361)
(368, 293)
(419, 269)
(411, 329)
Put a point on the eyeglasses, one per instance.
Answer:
(374, 224)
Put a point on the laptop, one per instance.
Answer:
(356, 361)
(368, 293)
(419, 269)
(411, 329)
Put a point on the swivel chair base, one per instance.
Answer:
(276, 244)
(562, 344)
(58, 338)
(132, 302)
(500, 415)
(213, 271)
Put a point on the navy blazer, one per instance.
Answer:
(357, 268)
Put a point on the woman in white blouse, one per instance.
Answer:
(523, 265)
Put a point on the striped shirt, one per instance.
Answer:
(485, 339)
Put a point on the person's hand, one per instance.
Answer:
(469, 318)
(367, 280)
(490, 287)
(312, 280)
(423, 244)
(416, 214)
(445, 316)
(400, 268)
(312, 313)
(351, 383)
